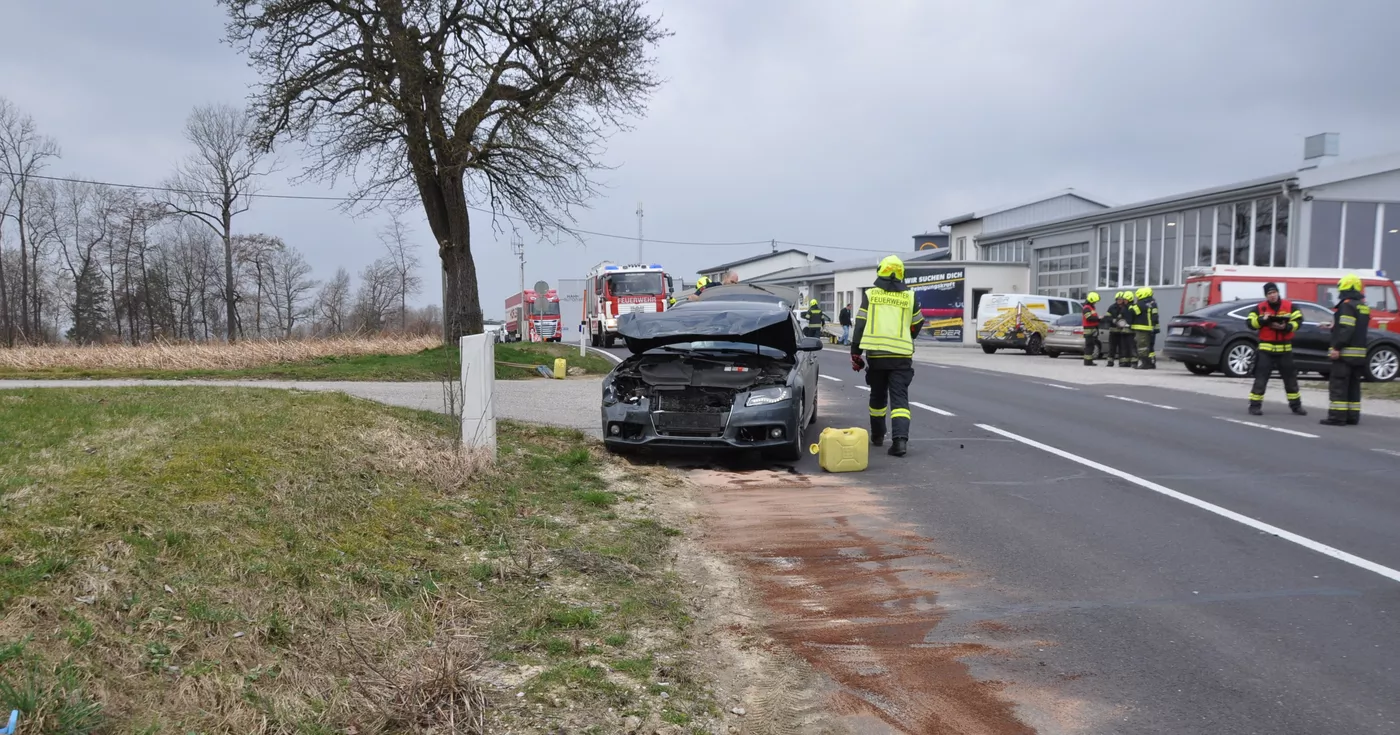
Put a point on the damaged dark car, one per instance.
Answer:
(730, 370)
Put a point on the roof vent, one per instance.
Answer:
(1320, 149)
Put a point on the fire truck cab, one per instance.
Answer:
(613, 290)
(533, 316)
(1207, 285)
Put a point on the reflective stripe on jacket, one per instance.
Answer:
(1141, 317)
(1351, 324)
(885, 323)
(1276, 324)
(1091, 316)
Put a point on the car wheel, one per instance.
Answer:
(1034, 344)
(1199, 369)
(608, 340)
(1052, 353)
(1238, 359)
(990, 350)
(816, 396)
(1383, 363)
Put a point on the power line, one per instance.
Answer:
(344, 199)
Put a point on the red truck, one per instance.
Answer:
(540, 322)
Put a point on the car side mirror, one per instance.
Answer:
(810, 344)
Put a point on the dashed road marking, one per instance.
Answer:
(927, 407)
(1143, 403)
(1258, 525)
(1391, 452)
(1056, 385)
(828, 377)
(863, 387)
(1266, 426)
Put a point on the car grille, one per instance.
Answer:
(670, 423)
(645, 307)
(547, 330)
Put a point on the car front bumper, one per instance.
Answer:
(630, 425)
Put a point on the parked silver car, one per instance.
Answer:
(1065, 334)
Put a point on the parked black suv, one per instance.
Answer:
(1219, 338)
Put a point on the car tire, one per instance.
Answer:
(1237, 359)
(608, 340)
(816, 396)
(989, 349)
(1034, 344)
(1199, 369)
(1052, 353)
(1382, 363)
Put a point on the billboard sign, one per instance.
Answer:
(939, 294)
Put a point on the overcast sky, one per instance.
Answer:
(840, 124)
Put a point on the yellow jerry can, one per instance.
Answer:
(842, 450)
(561, 367)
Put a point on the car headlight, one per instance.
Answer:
(609, 395)
(769, 396)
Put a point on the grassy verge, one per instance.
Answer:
(217, 560)
(425, 365)
(1390, 390)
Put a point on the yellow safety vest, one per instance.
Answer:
(887, 322)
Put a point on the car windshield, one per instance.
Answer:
(545, 308)
(635, 284)
(715, 347)
(1068, 320)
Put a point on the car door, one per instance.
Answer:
(806, 376)
(1313, 336)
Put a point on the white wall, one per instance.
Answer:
(970, 230)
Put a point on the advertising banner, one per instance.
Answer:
(939, 294)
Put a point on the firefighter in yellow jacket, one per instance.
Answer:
(885, 327)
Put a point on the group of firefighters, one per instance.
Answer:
(887, 323)
(1132, 325)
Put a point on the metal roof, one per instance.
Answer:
(809, 272)
(756, 258)
(1175, 202)
(984, 213)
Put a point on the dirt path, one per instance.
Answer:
(855, 595)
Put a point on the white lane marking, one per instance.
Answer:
(1270, 428)
(1303, 541)
(828, 377)
(927, 407)
(1056, 385)
(863, 387)
(1391, 452)
(607, 355)
(1144, 403)
(940, 367)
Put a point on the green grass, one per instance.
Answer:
(238, 560)
(428, 365)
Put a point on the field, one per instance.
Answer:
(367, 358)
(242, 560)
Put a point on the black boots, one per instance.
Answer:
(1256, 410)
(1298, 409)
(877, 440)
(899, 447)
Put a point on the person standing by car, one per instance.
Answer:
(1090, 320)
(844, 319)
(701, 284)
(1351, 323)
(1277, 321)
(1141, 318)
(815, 319)
(885, 327)
(1112, 314)
(1156, 328)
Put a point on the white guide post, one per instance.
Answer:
(478, 392)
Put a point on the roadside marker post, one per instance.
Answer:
(478, 392)
(13, 725)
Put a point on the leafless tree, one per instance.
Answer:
(405, 265)
(333, 303)
(505, 102)
(23, 154)
(252, 257)
(376, 297)
(289, 285)
(88, 214)
(216, 182)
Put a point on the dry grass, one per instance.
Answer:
(227, 560)
(205, 356)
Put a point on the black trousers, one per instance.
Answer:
(1120, 346)
(1344, 392)
(889, 396)
(1092, 348)
(1264, 365)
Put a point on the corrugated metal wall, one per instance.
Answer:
(1064, 205)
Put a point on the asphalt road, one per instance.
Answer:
(1192, 569)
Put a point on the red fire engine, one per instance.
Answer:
(541, 317)
(614, 290)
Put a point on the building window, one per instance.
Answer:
(1283, 209)
(1063, 270)
(962, 249)
(1359, 247)
(1390, 240)
(1325, 239)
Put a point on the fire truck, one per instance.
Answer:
(538, 320)
(614, 290)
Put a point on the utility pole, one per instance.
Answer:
(639, 233)
(773, 245)
(517, 246)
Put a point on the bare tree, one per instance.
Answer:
(216, 182)
(289, 285)
(405, 264)
(88, 212)
(253, 255)
(333, 302)
(376, 296)
(501, 101)
(23, 154)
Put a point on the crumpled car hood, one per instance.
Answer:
(767, 325)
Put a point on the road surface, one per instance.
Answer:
(1196, 569)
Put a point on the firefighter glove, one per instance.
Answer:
(857, 363)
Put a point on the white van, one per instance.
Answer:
(1019, 321)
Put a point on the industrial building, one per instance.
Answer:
(758, 266)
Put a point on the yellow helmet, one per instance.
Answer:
(814, 302)
(891, 267)
(1093, 297)
(1140, 294)
(702, 282)
(1349, 282)
(1120, 295)
(1147, 291)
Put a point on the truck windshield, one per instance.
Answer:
(545, 308)
(635, 284)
